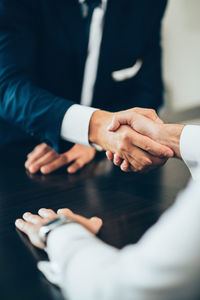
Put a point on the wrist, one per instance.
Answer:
(52, 225)
(98, 126)
(170, 136)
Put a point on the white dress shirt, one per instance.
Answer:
(76, 121)
(164, 264)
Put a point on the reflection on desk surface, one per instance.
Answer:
(128, 203)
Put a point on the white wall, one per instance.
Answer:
(181, 54)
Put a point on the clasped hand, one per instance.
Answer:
(130, 139)
(148, 128)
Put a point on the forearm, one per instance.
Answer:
(169, 135)
(164, 264)
(35, 110)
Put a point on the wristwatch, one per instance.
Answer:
(47, 228)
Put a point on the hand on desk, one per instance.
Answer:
(137, 150)
(30, 224)
(44, 159)
(165, 134)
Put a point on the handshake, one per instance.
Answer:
(135, 140)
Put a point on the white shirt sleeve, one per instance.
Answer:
(190, 149)
(164, 264)
(75, 125)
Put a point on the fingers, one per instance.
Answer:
(37, 153)
(143, 162)
(109, 155)
(31, 218)
(152, 147)
(30, 226)
(122, 118)
(149, 113)
(145, 132)
(23, 226)
(81, 155)
(61, 160)
(114, 158)
(40, 156)
(128, 117)
(77, 165)
(96, 224)
(31, 223)
(86, 154)
(46, 160)
(118, 161)
(47, 213)
(65, 211)
(93, 225)
(129, 139)
(55, 164)
(125, 166)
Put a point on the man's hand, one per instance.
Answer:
(30, 224)
(127, 117)
(139, 151)
(44, 159)
(165, 134)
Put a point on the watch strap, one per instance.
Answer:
(55, 223)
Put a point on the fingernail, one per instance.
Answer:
(26, 214)
(169, 153)
(97, 220)
(71, 170)
(32, 169)
(18, 223)
(44, 170)
(43, 212)
(26, 164)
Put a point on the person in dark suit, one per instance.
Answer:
(45, 67)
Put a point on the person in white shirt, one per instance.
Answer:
(164, 264)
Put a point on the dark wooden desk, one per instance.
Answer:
(128, 204)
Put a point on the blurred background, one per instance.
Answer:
(181, 57)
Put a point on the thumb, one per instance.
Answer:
(96, 224)
(121, 118)
(114, 125)
(159, 121)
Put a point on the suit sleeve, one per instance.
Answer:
(22, 102)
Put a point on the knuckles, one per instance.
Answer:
(63, 158)
(42, 148)
(152, 113)
(124, 141)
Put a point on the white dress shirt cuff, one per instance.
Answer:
(75, 125)
(64, 244)
(190, 149)
(60, 249)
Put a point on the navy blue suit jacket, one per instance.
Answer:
(43, 47)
